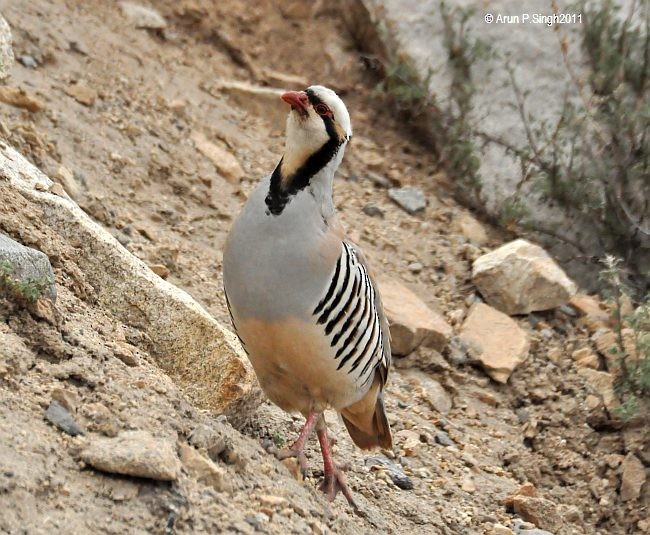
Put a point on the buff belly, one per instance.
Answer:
(295, 365)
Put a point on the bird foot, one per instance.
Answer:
(299, 455)
(333, 482)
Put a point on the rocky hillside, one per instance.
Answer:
(130, 136)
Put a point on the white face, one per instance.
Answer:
(318, 117)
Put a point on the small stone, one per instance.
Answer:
(527, 489)
(143, 17)
(27, 61)
(554, 354)
(27, 264)
(592, 311)
(495, 341)
(410, 441)
(82, 93)
(540, 511)
(379, 180)
(468, 485)
(473, 231)
(126, 354)
(410, 199)
(415, 267)
(372, 210)
(293, 466)
(275, 501)
(227, 165)
(160, 269)
(203, 469)
(57, 415)
(632, 478)
(443, 439)
(499, 529)
(65, 178)
(602, 384)
(69, 400)
(20, 99)
(432, 391)
(520, 277)
(395, 472)
(412, 322)
(585, 358)
(134, 453)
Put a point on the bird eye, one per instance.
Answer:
(322, 109)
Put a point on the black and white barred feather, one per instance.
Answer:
(351, 315)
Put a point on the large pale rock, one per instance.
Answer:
(26, 264)
(633, 478)
(6, 52)
(134, 453)
(495, 341)
(142, 16)
(199, 353)
(412, 322)
(520, 277)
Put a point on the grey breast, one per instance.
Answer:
(271, 269)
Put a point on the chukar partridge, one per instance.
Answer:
(300, 294)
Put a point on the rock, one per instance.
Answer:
(379, 180)
(293, 466)
(395, 472)
(585, 358)
(410, 441)
(633, 478)
(431, 391)
(540, 511)
(468, 485)
(27, 61)
(6, 52)
(20, 99)
(527, 489)
(134, 453)
(424, 358)
(82, 93)
(410, 199)
(602, 384)
(372, 210)
(495, 341)
(443, 439)
(224, 161)
(66, 178)
(275, 501)
(520, 277)
(203, 469)
(57, 415)
(160, 269)
(411, 321)
(593, 314)
(143, 17)
(27, 265)
(499, 529)
(69, 400)
(473, 231)
(195, 350)
(606, 342)
(415, 267)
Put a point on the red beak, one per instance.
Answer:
(297, 99)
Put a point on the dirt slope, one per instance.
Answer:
(137, 172)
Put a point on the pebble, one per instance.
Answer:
(372, 210)
(415, 267)
(443, 439)
(20, 99)
(143, 17)
(395, 472)
(410, 199)
(134, 453)
(28, 61)
(57, 415)
(82, 93)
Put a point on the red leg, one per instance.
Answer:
(297, 448)
(334, 480)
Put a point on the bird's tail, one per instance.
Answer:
(366, 420)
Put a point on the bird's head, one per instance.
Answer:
(318, 127)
